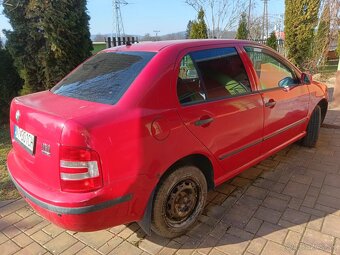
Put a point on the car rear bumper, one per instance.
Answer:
(70, 210)
(73, 211)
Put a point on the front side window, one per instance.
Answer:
(105, 77)
(222, 72)
(272, 73)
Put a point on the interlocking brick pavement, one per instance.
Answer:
(287, 204)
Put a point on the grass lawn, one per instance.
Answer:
(7, 188)
(98, 47)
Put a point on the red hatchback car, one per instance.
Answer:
(142, 132)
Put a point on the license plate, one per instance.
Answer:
(25, 139)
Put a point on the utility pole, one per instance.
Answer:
(118, 26)
(249, 12)
(279, 21)
(265, 21)
(156, 34)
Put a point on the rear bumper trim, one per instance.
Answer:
(71, 210)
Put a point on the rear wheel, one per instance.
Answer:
(313, 128)
(179, 201)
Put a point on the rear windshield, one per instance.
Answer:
(105, 77)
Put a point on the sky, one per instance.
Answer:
(146, 16)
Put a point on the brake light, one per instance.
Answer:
(80, 169)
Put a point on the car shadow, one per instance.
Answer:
(292, 196)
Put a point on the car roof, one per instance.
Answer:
(159, 45)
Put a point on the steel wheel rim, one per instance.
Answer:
(182, 202)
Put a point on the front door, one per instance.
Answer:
(219, 106)
(284, 96)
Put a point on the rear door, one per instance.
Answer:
(219, 106)
(285, 98)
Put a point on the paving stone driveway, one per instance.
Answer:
(288, 204)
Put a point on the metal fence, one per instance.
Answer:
(280, 45)
(113, 41)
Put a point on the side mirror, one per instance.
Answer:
(306, 79)
(286, 82)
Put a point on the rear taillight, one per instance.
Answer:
(80, 169)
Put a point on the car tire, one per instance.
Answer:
(179, 201)
(313, 128)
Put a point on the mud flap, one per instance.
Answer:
(145, 223)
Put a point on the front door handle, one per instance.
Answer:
(270, 104)
(203, 122)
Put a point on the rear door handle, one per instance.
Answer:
(203, 122)
(270, 104)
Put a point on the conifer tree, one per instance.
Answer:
(199, 28)
(322, 37)
(187, 32)
(25, 43)
(242, 31)
(49, 39)
(272, 41)
(10, 82)
(300, 21)
(66, 28)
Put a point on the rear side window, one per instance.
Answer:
(222, 72)
(105, 77)
(211, 74)
(189, 89)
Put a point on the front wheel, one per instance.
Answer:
(179, 201)
(313, 128)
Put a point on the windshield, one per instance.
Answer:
(105, 77)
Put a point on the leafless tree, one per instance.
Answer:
(255, 28)
(335, 18)
(173, 36)
(220, 15)
(147, 37)
(12, 4)
(99, 38)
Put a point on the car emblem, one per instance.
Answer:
(46, 149)
(17, 115)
